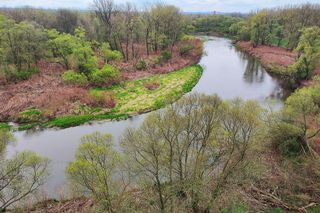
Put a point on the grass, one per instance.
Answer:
(132, 97)
(4, 126)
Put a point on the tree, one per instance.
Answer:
(22, 45)
(187, 154)
(297, 125)
(95, 170)
(259, 28)
(309, 53)
(74, 50)
(66, 21)
(21, 176)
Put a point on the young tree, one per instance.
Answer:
(309, 53)
(21, 176)
(96, 171)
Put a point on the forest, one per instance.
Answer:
(199, 153)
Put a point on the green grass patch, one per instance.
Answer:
(4, 126)
(134, 97)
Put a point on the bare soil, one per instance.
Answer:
(269, 55)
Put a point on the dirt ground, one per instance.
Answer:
(269, 54)
(47, 92)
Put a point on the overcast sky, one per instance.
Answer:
(185, 5)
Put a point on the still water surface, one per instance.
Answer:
(228, 72)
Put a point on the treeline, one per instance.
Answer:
(209, 24)
(79, 39)
(296, 28)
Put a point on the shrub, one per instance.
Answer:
(12, 74)
(187, 38)
(108, 54)
(290, 147)
(141, 65)
(185, 49)
(102, 99)
(72, 77)
(106, 76)
(30, 115)
(89, 65)
(166, 55)
(113, 55)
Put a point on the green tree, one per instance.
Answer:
(259, 28)
(95, 170)
(309, 53)
(21, 176)
(21, 46)
(191, 150)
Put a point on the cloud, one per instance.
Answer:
(186, 5)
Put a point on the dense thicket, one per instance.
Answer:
(78, 39)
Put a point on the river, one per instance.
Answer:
(228, 72)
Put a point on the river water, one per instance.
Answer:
(228, 72)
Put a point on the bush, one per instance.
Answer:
(108, 54)
(106, 76)
(30, 115)
(187, 38)
(113, 55)
(166, 55)
(12, 74)
(141, 65)
(72, 77)
(291, 147)
(102, 99)
(185, 49)
(88, 66)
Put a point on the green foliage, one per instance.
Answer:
(30, 115)
(94, 169)
(141, 65)
(74, 50)
(22, 174)
(166, 55)
(309, 51)
(214, 24)
(297, 125)
(291, 147)
(108, 54)
(25, 74)
(75, 78)
(185, 49)
(22, 45)
(171, 162)
(5, 126)
(105, 76)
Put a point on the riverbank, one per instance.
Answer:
(275, 60)
(131, 98)
(45, 100)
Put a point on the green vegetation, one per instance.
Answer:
(131, 97)
(170, 157)
(22, 175)
(72, 77)
(4, 126)
(105, 76)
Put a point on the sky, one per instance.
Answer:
(186, 5)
